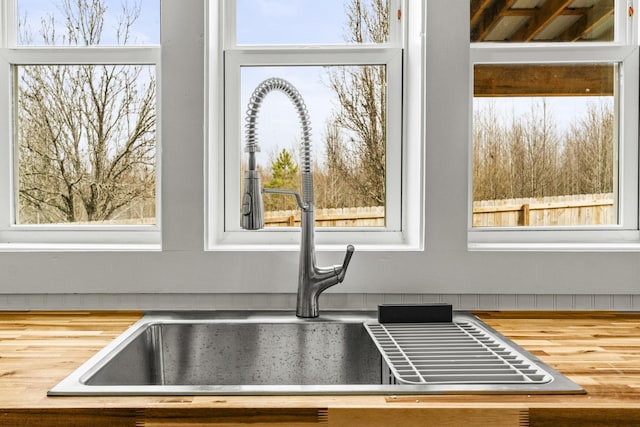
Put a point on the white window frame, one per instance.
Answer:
(405, 138)
(623, 51)
(64, 237)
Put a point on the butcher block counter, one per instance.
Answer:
(598, 350)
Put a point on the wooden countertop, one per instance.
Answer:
(598, 350)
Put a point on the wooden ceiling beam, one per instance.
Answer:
(477, 9)
(526, 80)
(486, 14)
(588, 21)
(489, 19)
(547, 13)
(532, 11)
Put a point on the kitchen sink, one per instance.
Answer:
(228, 354)
(272, 352)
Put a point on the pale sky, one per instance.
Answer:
(290, 21)
(146, 30)
(564, 110)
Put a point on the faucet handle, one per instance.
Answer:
(345, 263)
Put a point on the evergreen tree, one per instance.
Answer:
(284, 175)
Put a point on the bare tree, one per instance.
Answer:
(490, 156)
(86, 140)
(357, 153)
(588, 157)
(331, 190)
(540, 143)
(530, 157)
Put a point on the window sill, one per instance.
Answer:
(79, 247)
(81, 238)
(576, 239)
(268, 240)
(555, 247)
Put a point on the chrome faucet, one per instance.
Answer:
(312, 280)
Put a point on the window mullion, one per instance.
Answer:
(509, 54)
(6, 137)
(230, 164)
(88, 56)
(627, 158)
(8, 19)
(228, 10)
(313, 56)
(393, 203)
(397, 11)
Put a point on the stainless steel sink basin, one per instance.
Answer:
(278, 353)
(244, 353)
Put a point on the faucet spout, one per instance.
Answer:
(312, 280)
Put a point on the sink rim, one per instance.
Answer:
(73, 384)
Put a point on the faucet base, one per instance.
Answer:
(307, 308)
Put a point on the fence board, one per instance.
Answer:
(571, 210)
(330, 217)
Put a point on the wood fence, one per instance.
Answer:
(580, 209)
(330, 217)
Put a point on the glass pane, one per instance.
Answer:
(312, 21)
(88, 22)
(86, 142)
(347, 110)
(542, 21)
(545, 145)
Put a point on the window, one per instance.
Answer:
(554, 126)
(349, 62)
(80, 145)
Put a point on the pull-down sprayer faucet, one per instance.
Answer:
(312, 280)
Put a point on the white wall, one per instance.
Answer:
(133, 280)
